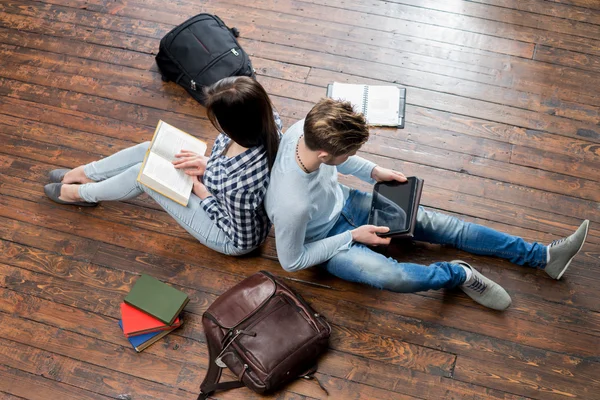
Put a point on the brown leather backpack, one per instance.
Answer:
(264, 333)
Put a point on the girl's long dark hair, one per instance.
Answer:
(240, 108)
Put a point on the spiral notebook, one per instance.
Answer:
(381, 105)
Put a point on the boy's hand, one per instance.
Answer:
(199, 189)
(194, 164)
(367, 234)
(384, 175)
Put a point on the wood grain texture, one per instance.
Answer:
(502, 121)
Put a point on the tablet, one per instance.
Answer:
(395, 205)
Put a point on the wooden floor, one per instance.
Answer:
(503, 123)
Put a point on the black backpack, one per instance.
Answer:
(200, 52)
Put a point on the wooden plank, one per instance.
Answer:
(71, 31)
(55, 55)
(587, 166)
(23, 384)
(512, 72)
(76, 47)
(530, 384)
(535, 173)
(547, 8)
(502, 16)
(569, 58)
(73, 246)
(592, 4)
(6, 396)
(476, 186)
(340, 16)
(92, 143)
(82, 375)
(415, 21)
(424, 120)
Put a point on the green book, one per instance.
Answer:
(156, 298)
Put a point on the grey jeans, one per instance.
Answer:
(116, 179)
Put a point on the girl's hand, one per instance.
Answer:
(199, 189)
(194, 164)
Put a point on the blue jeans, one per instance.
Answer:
(116, 179)
(363, 265)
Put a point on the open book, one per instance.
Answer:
(158, 172)
(381, 105)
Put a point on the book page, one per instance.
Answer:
(349, 92)
(170, 141)
(162, 171)
(383, 105)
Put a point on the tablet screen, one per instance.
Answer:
(392, 204)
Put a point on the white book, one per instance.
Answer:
(381, 105)
(158, 172)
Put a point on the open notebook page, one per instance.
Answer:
(170, 141)
(349, 92)
(383, 105)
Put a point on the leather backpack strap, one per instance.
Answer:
(310, 375)
(211, 384)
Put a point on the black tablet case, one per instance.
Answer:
(413, 214)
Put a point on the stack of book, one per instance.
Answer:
(151, 311)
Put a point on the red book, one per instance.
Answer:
(136, 322)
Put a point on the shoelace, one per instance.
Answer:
(557, 242)
(477, 285)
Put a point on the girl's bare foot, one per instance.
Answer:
(70, 193)
(76, 175)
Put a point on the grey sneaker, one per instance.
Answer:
(563, 251)
(485, 291)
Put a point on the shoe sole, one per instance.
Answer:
(587, 228)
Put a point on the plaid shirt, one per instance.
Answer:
(238, 186)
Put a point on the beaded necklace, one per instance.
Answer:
(298, 156)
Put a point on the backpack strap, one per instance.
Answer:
(310, 375)
(211, 384)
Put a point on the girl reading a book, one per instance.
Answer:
(225, 211)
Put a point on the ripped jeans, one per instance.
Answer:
(361, 264)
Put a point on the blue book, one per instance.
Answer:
(141, 342)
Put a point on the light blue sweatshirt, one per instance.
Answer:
(304, 207)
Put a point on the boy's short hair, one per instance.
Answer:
(333, 126)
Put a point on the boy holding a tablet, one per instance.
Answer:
(318, 221)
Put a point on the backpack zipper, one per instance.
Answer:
(213, 62)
